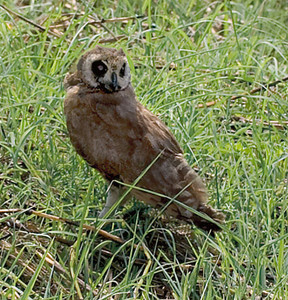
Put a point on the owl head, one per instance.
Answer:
(106, 69)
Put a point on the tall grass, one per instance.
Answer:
(182, 54)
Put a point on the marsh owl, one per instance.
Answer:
(120, 138)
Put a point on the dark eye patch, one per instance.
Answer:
(99, 68)
(122, 70)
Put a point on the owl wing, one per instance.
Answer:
(157, 133)
(171, 175)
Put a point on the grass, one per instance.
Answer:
(182, 54)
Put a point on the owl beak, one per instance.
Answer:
(114, 81)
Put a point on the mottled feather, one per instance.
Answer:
(119, 137)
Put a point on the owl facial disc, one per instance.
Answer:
(105, 69)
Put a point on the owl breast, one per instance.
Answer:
(105, 133)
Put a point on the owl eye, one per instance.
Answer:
(99, 68)
(122, 70)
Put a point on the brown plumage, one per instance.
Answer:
(119, 137)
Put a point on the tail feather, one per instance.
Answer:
(206, 224)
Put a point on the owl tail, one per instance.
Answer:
(207, 224)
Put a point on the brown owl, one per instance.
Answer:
(120, 138)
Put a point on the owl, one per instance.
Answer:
(127, 143)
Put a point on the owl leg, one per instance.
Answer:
(113, 196)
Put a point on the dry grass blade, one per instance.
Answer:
(41, 28)
(104, 233)
(145, 272)
(22, 261)
(255, 90)
(72, 262)
(7, 246)
(277, 124)
(265, 86)
(52, 262)
(113, 20)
